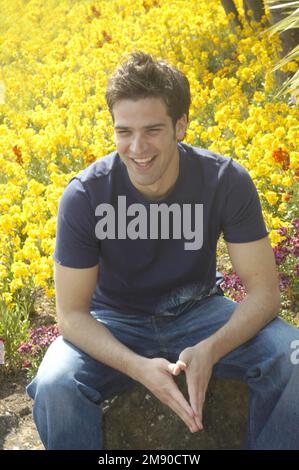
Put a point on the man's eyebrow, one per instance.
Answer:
(150, 126)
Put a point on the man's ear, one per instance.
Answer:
(181, 127)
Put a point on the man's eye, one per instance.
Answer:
(153, 130)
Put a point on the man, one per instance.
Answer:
(135, 274)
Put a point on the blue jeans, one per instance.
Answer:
(70, 386)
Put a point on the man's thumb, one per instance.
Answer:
(181, 364)
(176, 368)
(173, 368)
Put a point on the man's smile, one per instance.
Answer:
(143, 163)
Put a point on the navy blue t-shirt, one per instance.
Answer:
(156, 264)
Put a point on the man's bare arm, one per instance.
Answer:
(255, 264)
(74, 289)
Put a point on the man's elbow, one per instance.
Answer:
(275, 300)
(269, 297)
(61, 322)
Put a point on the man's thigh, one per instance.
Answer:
(185, 328)
(65, 365)
(64, 362)
(268, 353)
(207, 316)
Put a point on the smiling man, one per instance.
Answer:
(147, 144)
(138, 296)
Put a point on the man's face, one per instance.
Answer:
(147, 144)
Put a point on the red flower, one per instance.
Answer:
(282, 157)
(95, 12)
(107, 36)
(18, 154)
(286, 197)
(89, 157)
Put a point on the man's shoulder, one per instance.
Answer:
(204, 156)
(101, 168)
(94, 181)
(211, 160)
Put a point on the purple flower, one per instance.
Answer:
(295, 224)
(232, 285)
(282, 231)
(280, 253)
(284, 281)
(39, 339)
(25, 348)
(295, 248)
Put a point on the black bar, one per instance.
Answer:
(132, 459)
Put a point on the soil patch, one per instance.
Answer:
(17, 429)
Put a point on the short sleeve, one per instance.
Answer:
(76, 243)
(242, 219)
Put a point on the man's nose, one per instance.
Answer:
(138, 145)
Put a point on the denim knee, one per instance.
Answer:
(55, 385)
(276, 340)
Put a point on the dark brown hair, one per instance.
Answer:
(141, 77)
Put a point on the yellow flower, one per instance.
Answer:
(271, 197)
(3, 272)
(280, 132)
(214, 132)
(76, 153)
(39, 281)
(258, 96)
(16, 284)
(277, 223)
(30, 252)
(242, 58)
(35, 188)
(19, 269)
(246, 74)
(65, 160)
(282, 207)
(275, 179)
(7, 297)
(275, 238)
(48, 246)
(287, 181)
(50, 293)
(6, 224)
(232, 38)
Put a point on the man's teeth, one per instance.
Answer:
(143, 161)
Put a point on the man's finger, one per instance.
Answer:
(196, 402)
(177, 401)
(181, 364)
(181, 407)
(173, 369)
(176, 368)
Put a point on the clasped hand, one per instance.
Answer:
(197, 364)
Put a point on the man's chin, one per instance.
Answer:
(142, 181)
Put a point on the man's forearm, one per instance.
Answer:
(250, 316)
(92, 337)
